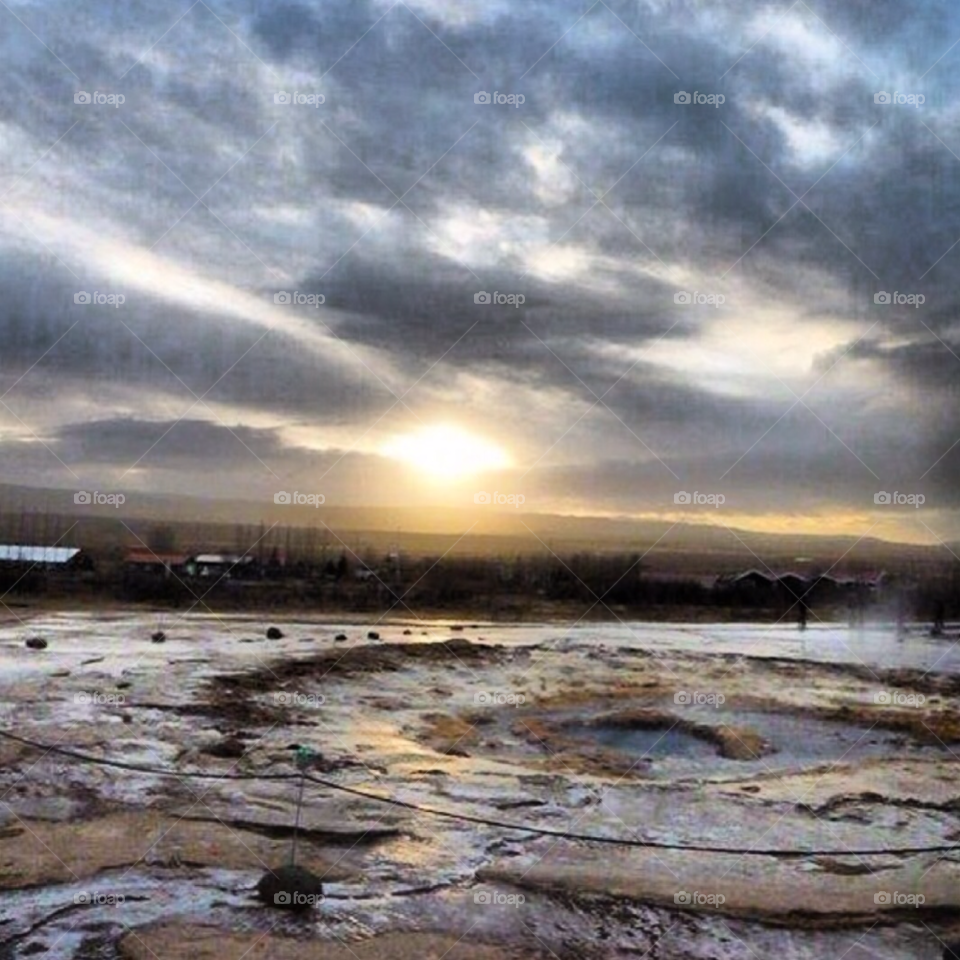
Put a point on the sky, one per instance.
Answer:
(685, 260)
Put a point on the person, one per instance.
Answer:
(802, 614)
(938, 619)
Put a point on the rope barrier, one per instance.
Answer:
(469, 818)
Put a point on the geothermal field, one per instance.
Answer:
(631, 790)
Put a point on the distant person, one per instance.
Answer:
(938, 620)
(802, 614)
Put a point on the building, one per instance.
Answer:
(220, 565)
(57, 558)
(155, 563)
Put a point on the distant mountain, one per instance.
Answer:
(25, 511)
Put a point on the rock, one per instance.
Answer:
(250, 640)
(373, 635)
(290, 888)
(126, 718)
(407, 633)
(456, 627)
(274, 633)
(230, 748)
(158, 637)
(123, 684)
(36, 643)
(340, 637)
(307, 640)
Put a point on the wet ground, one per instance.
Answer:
(833, 755)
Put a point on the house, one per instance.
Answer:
(161, 564)
(61, 558)
(219, 565)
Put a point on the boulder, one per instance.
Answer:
(340, 637)
(274, 633)
(158, 637)
(36, 643)
(290, 888)
(230, 748)
(373, 635)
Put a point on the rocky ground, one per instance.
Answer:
(820, 773)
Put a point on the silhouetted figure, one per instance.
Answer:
(901, 617)
(938, 618)
(802, 614)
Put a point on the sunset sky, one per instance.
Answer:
(696, 289)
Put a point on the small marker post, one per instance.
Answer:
(303, 758)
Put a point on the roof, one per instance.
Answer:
(21, 554)
(222, 558)
(145, 555)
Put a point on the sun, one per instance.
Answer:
(445, 452)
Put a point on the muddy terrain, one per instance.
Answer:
(478, 791)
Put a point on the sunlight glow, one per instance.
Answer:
(445, 451)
